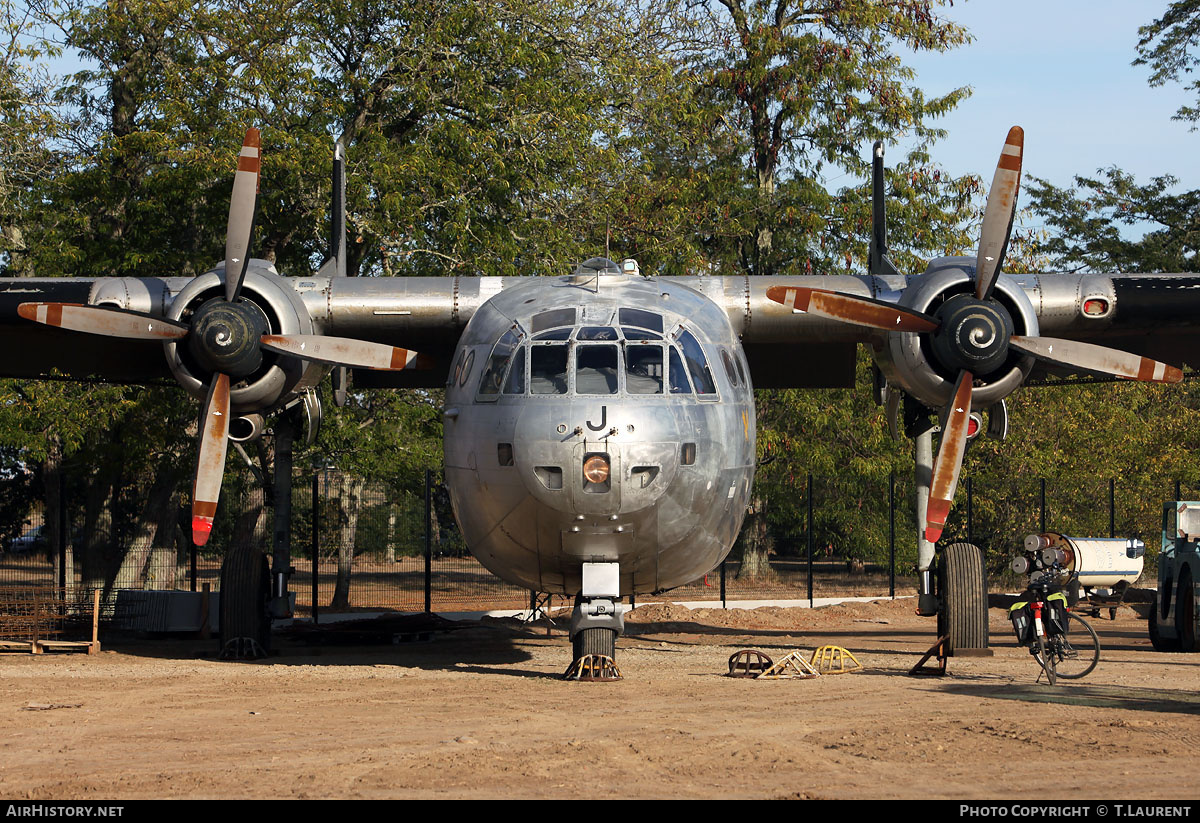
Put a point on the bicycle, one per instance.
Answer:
(1062, 642)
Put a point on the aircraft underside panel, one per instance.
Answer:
(825, 365)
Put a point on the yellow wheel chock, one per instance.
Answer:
(593, 667)
(834, 660)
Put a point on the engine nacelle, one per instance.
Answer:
(247, 428)
(282, 312)
(910, 362)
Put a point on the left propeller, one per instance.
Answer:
(226, 335)
(971, 334)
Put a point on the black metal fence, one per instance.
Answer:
(358, 545)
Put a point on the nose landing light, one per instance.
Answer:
(596, 469)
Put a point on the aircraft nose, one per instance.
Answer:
(595, 458)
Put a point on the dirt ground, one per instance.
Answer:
(480, 711)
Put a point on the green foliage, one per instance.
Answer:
(1090, 227)
(1169, 47)
(784, 99)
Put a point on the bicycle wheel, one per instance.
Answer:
(1078, 651)
(1043, 656)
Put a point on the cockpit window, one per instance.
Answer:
(730, 371)
(679, 381)
(644, 369)
(493, 374)
(639, 334)
(458, 367)
(596, 369)
(548, 369)
(553, 319)
(697, 364)
(644, 319)
(516, 375)
(466, 368)
(597, 333)
(554, 334)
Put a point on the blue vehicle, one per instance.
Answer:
(30, 541)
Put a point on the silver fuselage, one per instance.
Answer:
(528, 403)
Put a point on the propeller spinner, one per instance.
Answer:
(972, 334)
(226, 335)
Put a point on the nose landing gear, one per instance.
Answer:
(596, 621)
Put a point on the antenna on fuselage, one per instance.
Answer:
(335, 264)
(877, 261)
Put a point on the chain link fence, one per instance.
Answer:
(377, 547)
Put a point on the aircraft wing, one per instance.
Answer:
(1157, 316)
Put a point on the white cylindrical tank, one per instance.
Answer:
(1100, 562)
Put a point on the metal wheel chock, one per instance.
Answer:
(939, 649)
(593, 667)
(748, 663)
(242, 648)
(794, 666)
(834, 660)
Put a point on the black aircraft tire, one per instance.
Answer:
(1160, 643)
(962, 590)
(245, 592)
(1185, 612)
(595, 641)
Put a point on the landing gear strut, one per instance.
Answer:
(595, 623)
(254, 593)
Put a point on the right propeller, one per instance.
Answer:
(973, 333)
(226, 335)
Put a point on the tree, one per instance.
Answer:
(1092, 226)
(1168, 46)
(790, 95)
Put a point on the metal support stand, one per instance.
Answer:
(539, 607)
(316, 545)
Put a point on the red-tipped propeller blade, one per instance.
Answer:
(861, 311)
(998, 215)
(241, 214)
(1090, 357)
(100, 320)
(948, 464)
(342, 351)
(210, 463)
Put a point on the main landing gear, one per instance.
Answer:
(253, 594)
(953, 582)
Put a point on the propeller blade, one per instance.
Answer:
(210, 463)
(110, 322)
(948, 463)
(998, 216)
(1090, 357)
(861, 311)
(241, 214)
(342, 351)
